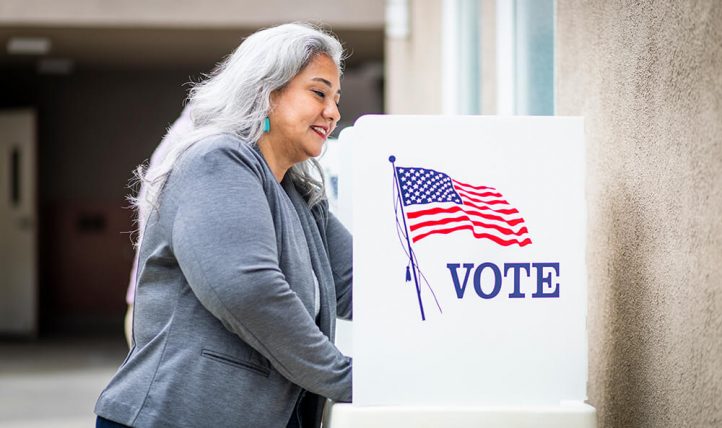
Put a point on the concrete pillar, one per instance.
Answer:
(488, 56)
(647, 77)
(413, 63)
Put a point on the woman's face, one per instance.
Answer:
(305, 112)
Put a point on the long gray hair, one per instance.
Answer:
(235, 99)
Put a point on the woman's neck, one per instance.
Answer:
(274, 159)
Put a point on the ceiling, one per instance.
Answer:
(158, 48)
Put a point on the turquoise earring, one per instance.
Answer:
(266, 125)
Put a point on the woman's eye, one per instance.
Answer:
(319, 94)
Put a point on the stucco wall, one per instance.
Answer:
(647, 77)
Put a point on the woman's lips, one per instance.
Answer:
(320, 131)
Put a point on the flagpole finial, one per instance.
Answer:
(392, 158)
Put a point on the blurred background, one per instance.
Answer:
(88, 88)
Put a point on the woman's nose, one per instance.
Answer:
(331, 112)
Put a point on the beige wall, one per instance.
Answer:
(647, 77)
(413, 64)
(234, 13)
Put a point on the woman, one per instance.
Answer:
(180, 127)
(242, 270)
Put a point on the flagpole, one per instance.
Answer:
(392, 159)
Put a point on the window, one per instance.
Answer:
(522, 78)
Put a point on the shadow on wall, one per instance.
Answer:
(627, 358)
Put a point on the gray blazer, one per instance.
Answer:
(223, 331)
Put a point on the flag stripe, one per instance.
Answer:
(501, 211)
(447, 220)
(503, 242)
(479, 194)
(463, 194)
(473, 187)
(454, 209)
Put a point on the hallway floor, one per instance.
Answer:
(55, 382)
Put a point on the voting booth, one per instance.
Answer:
(469, 272)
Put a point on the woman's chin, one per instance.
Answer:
(315, 151)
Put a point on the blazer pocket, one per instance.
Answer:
(235, 362)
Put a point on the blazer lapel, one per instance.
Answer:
(319, 258)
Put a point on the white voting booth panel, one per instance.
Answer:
(469, 273)
(568, 415)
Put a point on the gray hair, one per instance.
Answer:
(235, 99)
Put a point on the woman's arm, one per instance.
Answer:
(225, 243)
(340, 250)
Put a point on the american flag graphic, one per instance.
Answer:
(434, 203)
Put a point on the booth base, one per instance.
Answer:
(566, 415)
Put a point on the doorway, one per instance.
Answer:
(18, 219)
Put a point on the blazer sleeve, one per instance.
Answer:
(224, 240)
(340, 250)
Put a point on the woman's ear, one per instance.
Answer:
(274, 97)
